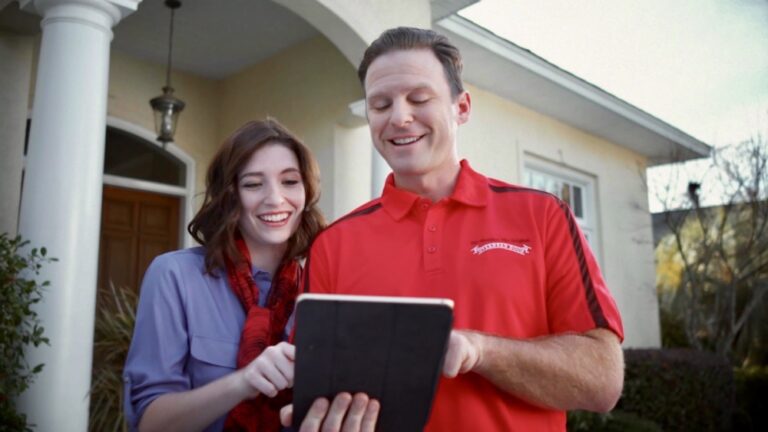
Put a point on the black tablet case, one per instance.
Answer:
(391, 351)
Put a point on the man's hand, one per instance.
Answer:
(565, 371)
(271, 371)
(345, 414)
(464, 353)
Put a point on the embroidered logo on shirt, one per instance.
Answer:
(518, 249)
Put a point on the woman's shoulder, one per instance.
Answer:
(190, 256)
(182, 261)
(176, 272)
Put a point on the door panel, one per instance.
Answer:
(118, 215)
(136, 227)
(155, 219)
(117, 262)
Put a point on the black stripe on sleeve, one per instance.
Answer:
(500, 189)
(589, 288)
(361, 212)
(595, 310)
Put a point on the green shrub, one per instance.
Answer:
(614, 421)
(19, 324)
(672, 330)
(115, 317)
(679, 389)
(752, 398)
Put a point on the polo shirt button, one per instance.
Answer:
(431, 249)
(432, 228)
(424, 205)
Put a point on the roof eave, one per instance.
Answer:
(498, 65)
(443, 8)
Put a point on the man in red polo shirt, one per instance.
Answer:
(536, 329)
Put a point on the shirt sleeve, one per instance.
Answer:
(160, 346)
(578, 299)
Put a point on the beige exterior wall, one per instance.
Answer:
(501, 134)
(133, 82)
(15, 79)
(308, 88)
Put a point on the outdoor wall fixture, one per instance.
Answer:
(167, 107)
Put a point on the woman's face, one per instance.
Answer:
(272, 197)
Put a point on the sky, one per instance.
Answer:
(699, 65)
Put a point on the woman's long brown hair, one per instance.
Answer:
(215, 224)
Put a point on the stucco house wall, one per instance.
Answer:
(15, 70)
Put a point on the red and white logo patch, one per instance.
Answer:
(523, 249)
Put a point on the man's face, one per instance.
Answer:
(412, 116)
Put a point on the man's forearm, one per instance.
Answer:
(568, 371)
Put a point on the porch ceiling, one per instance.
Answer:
(213, 39)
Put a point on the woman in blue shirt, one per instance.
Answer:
(207, 350)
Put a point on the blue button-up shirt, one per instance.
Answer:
(187, 332)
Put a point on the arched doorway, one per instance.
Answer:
(142, 211)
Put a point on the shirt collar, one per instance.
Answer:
(471, 189)
(259, 273)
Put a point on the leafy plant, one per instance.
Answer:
(19, 324)
(115, 317)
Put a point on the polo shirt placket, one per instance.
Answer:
(432, 236)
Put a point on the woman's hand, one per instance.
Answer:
(271, 371)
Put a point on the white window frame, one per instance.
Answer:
(588, 220)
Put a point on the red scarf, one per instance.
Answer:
(264, 326)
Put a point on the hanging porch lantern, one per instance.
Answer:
(167, 107)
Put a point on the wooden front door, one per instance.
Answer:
(136, 226)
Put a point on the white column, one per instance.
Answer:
(379, 168)
(61, 199)
(352, 151)
(379, 171)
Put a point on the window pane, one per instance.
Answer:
(578, 206)
(127, 155)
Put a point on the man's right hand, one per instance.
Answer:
(345, 414)
(463, 354)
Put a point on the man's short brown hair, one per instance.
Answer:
(408, 38)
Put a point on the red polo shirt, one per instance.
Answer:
(513, 260)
